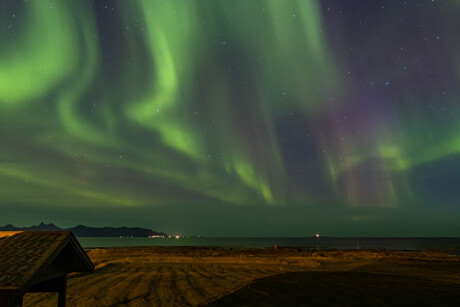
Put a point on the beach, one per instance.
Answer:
(200, 276)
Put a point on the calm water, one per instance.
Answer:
(311, 242)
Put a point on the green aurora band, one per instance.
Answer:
(225, 103)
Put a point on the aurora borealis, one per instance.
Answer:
(232, 117)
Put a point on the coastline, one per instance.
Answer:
(379, 243)
(198, 276)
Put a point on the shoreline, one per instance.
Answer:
(310, 243)
(281, 249)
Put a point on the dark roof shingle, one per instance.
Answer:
(22, 254)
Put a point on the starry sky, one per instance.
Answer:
(232, 118)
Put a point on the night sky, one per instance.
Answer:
(232, 118)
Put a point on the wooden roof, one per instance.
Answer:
(30, 257)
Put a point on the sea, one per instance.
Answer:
(312, 243)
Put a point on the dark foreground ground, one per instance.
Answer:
(181, 276)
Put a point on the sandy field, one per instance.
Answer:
(190, 276)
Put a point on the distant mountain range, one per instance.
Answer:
(84, 231)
